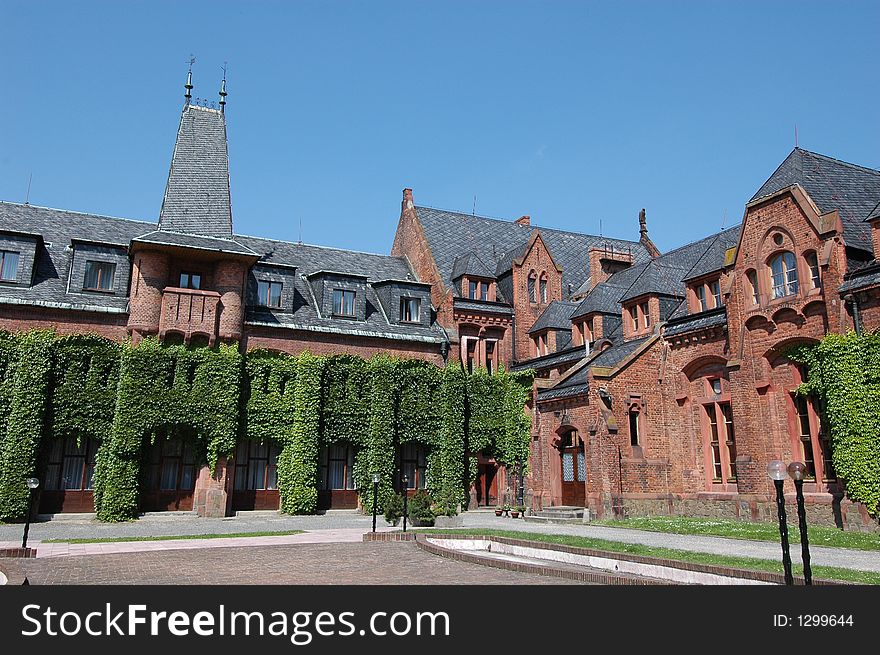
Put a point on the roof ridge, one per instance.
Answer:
(840, 161)
(315, 245)
(73, 211)
(529, 228)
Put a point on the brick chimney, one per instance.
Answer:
(643, 236)
(524, 220)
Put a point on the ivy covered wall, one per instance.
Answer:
(844, 374)
(126, 397)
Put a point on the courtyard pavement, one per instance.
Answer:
(348, 526)
(373, 563)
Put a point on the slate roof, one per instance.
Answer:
(605, 297)
(615, 354)
(693, 322)
(196, 242)
(496, 242)
(470, 264)
(575, 385)
(867, 276)
(657, 279)
(59, 228)
(311, 259)
(556, 316)
(484, 306)
(197, 193)
(552, 360)
(713, 259)
(832, 184)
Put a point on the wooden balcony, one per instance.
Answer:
(189, 312)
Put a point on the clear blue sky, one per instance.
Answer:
(569, 112)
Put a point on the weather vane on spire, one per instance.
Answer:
(223, 93)
(189, 79)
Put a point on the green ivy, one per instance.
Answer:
(126, 397)
(27, 364)
(844, 374)
(171, 390)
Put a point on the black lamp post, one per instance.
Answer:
(405, 494)
(796, 471)
(375, 493)
(32, 483)
(778, 472)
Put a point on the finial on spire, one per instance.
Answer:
(644, 239)
(643, 223)
(189, 80)
(223, 93)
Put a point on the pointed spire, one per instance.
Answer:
(643, 236)
(189, 80)
(223, 93)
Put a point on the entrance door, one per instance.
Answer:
(170, 476)
(487, 485)
(67, 481)
(574, 472)
(336, 487)
(256, 476)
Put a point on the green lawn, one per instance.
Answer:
(102, 540)
(819, 536)
(752, 564)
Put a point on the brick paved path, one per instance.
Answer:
(338, 563)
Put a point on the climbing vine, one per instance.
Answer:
(164, 392)
(844, 374)
(128, 397)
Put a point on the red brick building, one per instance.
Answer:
(189, 278)
(662, 382)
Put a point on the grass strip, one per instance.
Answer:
(818, 535)
(170, 537)
(731, 561)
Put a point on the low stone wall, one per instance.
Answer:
(821, 510)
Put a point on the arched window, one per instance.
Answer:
(533, 294)
(752, 291)
(543, 285)
(783, 269)
(813, 266)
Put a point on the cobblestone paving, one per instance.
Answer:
(342, 563)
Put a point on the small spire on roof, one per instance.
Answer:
(189, 80)
(223, 90)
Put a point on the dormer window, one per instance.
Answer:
(9, 265)
(478, 290)
(715, 289)
(343, 303)
(783, 269)
(634, 317)
(99, 276)
(190, 280)
(701, 297)
(269, 293)
(410, 310)
(646, 314)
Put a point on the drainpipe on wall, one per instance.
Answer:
(857, 319)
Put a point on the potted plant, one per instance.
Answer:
(394, 509)
(514, 512)
(499, 510)
(420, 512)
(522, 510)
(506, 508)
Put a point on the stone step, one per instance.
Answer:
(563, 512)
(556, 521)
(68, 516)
